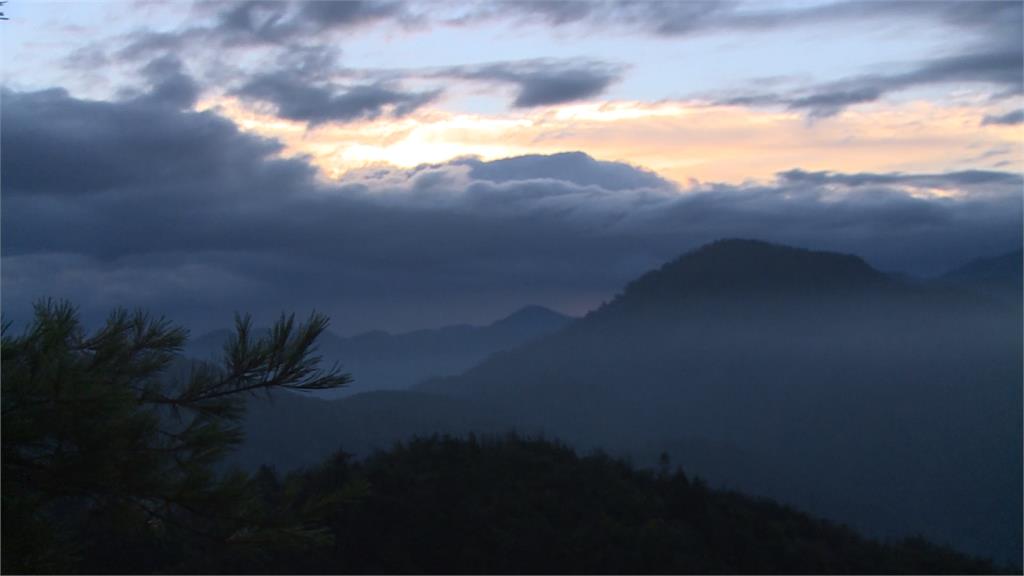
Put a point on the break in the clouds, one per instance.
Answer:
(182, 212)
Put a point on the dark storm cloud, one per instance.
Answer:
(1008, 119)
(62, 146)
(544, 82)
(298, 99)
(138, 203)
(169, 83)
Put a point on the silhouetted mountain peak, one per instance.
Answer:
(1006, 271)
(754, 266)
(533, 316)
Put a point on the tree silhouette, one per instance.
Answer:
(101, 441)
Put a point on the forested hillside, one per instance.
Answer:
(519, 505)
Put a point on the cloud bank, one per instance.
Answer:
(141, 203)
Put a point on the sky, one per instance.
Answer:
(402, 165)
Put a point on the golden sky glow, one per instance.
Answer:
(679, 140)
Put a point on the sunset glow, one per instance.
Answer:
(682, 141)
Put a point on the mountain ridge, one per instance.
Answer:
(1000, 275)
(383, 361)
(795, 357)
(738, 265)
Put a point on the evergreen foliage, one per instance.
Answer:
(103, 451)
(519, 505)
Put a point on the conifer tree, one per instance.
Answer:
(102, 439)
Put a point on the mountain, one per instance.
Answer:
(382, 361)
(889, 405)
(744, 267)
(1000, 275)
(502, 505)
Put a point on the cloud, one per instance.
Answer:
(298, 99)
(544, 82)
(290, 26)
(335, 15)
(551, 12)
(255, 22)
(272, 22)
(1008, 119)
(138, 203)
(269, 22)
(661, 18)
(670, 18)
(680, 140)
(575, 167)
(305, 81)
(992, 53)
(1004, 69)
(57, 145)
(300, 89)
(303, 36)
(169, 83)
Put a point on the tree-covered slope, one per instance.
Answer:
(515, 505)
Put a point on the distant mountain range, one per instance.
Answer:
(1002, 275)
(382, 361)
(891, 405)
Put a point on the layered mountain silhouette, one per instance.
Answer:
(1002, 276)
(383, 361)
(809, 377)
(507, 504)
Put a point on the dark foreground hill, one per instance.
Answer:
(530, 506)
